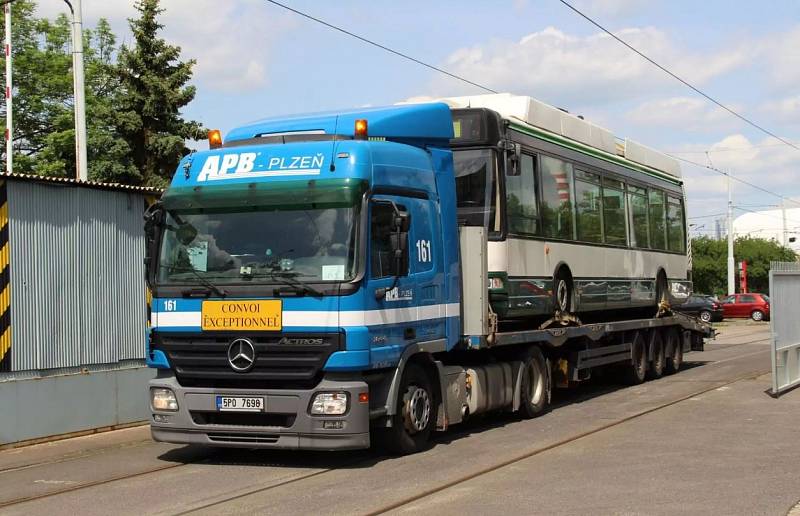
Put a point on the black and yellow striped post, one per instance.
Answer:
(5, 289)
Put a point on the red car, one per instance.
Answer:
(755, 306)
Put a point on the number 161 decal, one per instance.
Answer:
(424, 251)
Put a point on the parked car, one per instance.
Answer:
(706, 308)
(754, 306)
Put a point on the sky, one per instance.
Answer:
(256, 60)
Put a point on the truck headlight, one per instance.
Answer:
(329, 404)
(163, 399)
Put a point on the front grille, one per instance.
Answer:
(292, 363)
(240, 438)
(242, 419)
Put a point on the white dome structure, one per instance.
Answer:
(769, 224)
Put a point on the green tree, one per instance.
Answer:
(154, 82)
(710, 262)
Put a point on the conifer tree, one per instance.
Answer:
(153, 82)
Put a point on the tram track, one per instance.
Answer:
(209, 458)
(514, 460)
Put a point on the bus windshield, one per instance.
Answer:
(475, 187)
(259, 245)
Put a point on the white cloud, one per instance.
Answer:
(612, 8)
(231, 41)
(781, 54)
(686, 113)
(556, 66)
(766, 163)
(784, 110)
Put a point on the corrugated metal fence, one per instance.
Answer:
(77, 287)
(784, 292)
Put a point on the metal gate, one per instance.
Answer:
(784, 291)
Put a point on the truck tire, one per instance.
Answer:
(636, 370)
(562, 291)
(675, 344)
(416, 414)
(536, 384)
(658, 362)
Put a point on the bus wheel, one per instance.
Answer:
(416, 414)
(636, 370)
(536, 384)
(675, 344)
(657, 364)
(562, 291)
(661, 290)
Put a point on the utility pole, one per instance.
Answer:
(731, 268)
(783, 216)
(9, 106)
(79, 91)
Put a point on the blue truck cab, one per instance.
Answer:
(302, 275)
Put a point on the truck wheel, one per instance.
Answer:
(657, 364)
(562, 292)
(757, 315)
(535, 386)
(636, 371)
(416, 414)
(705, 316)
(674, 343)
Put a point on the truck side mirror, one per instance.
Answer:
(398, 242)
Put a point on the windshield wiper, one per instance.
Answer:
(191, 292)
(290, 279)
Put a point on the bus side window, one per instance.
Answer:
(587, 207)
(658, 222)
(556, 177)
(521, 205)
(637, 199)
(614, 225)
(676, 240)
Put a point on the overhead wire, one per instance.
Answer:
(680, 79)
(490, 90)
(382, 47)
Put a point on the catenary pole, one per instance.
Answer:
(81, 164)
(9, 101)
(731, 269)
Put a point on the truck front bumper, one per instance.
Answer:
(285, 423)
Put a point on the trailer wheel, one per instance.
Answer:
(562, 291)
(658, 362)
(636, 371)
(675, 361)
(536, 384)
(416, 414)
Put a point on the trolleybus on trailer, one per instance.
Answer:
(577, 221)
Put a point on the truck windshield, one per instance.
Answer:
(274, 237)
(475, 187)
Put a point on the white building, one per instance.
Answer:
(772, 225)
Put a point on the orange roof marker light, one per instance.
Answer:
(361, 129)
(214, 139)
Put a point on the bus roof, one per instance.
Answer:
(527, 113)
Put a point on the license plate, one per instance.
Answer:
(240, 404)
(255, 315)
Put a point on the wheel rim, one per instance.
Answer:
(705, 316)
(537, 382)
(562, 295)
(417, 411)
(757, 316)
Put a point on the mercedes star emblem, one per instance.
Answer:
(242, 355)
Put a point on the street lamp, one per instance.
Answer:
(78, 86)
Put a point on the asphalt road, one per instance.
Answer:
(707, 440)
